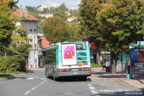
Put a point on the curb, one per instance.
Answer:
(135, 86)
(12, 77)
(94, 79)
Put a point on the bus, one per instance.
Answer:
(68, 59)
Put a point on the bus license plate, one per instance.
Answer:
(74, 69)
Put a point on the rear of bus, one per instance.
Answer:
(73, 59)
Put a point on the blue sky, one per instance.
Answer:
(68, 3)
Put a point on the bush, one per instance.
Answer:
(93, 65)
(12, 64)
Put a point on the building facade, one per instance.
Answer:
(30, 24)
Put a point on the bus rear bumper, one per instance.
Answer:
(73, 74)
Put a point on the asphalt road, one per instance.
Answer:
(35, 84)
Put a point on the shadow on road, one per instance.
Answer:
(109, 75)
(70, 79)
(6, 76)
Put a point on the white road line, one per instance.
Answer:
(30, 78)
(26, 93)
(93, 91)
(32, 89)
(92, 88)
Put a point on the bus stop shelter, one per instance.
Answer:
(136, 67)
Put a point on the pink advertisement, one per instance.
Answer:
(69, 54)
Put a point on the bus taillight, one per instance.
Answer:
(85, 69)
(64, 70)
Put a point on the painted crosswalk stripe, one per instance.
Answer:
(30, 78)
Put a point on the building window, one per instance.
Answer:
(30, 30)
(34, 30)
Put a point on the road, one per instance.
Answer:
(35, 84)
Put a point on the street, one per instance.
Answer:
(36, 84)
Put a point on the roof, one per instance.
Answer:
(44, 42)
(73, 17)
(25, 14)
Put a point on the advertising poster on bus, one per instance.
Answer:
(137, 61)
(69, 54)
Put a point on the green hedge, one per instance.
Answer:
(12, 64)
(93, 65)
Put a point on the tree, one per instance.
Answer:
(61, 7)
(12, 3)
(61, 11)
(75, 33)
(6, 26)
(20, 42)
(18, 50)
(121, 23)
(88, 12)
(75, 13)
(56, 30)
(62, 14)
(113, 23)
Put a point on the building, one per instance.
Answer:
(73, 19)
(30, 24)
(46, 15)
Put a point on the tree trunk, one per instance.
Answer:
(5, 54)
(98, 58)
(113, 63)
(94, 58)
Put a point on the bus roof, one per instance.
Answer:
(66, 42)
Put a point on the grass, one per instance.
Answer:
(93, 65)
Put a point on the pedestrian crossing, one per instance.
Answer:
(99, 91)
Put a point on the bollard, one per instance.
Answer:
(129, 76)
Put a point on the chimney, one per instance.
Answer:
(26, 12)
(21, 15)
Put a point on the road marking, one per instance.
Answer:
(26, 93)
(32, 89)
(123, 83)
(30, 78)
(128, 84)
(92, 89)
(68, 93)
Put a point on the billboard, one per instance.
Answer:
(69, 54)
(137, 61)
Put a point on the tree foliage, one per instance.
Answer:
(12, 3)
(88, 13)
(6, 25)
(113, 24)
(121, 23)
(20, 43)
(57, 30)
(61, 11)
(75, 13)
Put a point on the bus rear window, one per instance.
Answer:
(81, 46)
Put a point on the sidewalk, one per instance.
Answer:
(98, 73)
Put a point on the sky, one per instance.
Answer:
(69, 3)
